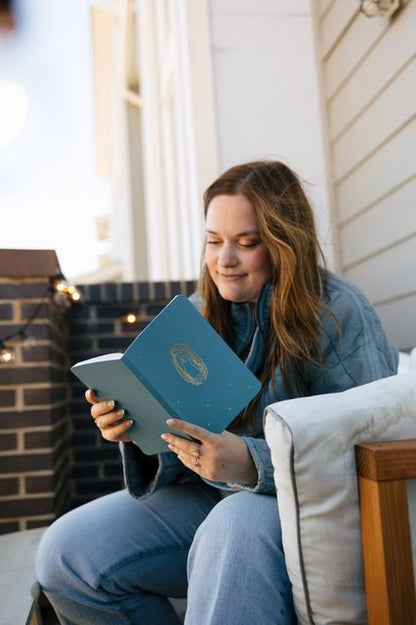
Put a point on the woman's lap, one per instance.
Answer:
(118, 557)
(117, 547)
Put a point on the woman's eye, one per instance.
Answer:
(212, 242)
(249, 243)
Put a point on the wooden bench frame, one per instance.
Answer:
(383, 469)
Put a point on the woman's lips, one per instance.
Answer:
(232, 276)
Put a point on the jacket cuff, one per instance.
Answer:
(260, 453)
(144, 474)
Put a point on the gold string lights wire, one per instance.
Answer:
(63, 294)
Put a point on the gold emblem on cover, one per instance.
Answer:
(188, 364)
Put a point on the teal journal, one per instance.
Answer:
(178, 366)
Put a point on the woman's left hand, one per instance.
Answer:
(219, 457)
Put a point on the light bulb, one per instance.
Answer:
(130, 318)
(6, 355)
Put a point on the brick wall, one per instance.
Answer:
(98, 326)
(35, 450)
(52, 456)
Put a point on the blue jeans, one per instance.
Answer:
(115, 560)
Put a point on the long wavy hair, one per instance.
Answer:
(287, 228)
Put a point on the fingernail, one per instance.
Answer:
(120, 413)
(165, 438)
(129, 423)
(170, 421)
(110, 404)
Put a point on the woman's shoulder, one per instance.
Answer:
(343, 297)
(347, 310)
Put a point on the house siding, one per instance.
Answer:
(369, 70)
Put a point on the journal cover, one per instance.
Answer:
(178, 366)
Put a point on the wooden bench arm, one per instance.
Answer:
(385, 530)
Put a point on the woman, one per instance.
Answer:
(174, 533)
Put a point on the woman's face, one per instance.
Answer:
(235, 255)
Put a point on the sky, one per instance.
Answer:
(50, 193)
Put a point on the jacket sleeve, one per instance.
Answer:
(144, 474)
(355, 350)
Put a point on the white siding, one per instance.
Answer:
(267, 96)
(179, 139)
(369, 67)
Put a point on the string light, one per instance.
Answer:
(130, 317)
(6, 354)
(63, 294)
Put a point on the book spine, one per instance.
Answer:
(150, 387)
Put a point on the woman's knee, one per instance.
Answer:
(56, 553)
(242, 520)
(242, 512)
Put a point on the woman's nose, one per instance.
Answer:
(227, 256)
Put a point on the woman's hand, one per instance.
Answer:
(108, 419)
(219, 457)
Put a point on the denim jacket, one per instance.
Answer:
(354, 351)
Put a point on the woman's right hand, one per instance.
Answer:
(108, 419)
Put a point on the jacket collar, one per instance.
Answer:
(251, 325)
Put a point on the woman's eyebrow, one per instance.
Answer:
(238, 234)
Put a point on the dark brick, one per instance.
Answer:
(175, 288)
(110, 292)
(36, 353)
(152, 311)
(190, 287)
(39, 484)
(42, 310)
(26, 418)
(9, 526)
(78, 344)
(9, 486)
(22, 375)
(84, 439)
(98, 487)
(6, 312)
(113, 470)
(8, 441)
(7, 398)
(36, 396)
(161, 290)
(111, 312)
(94, 293)
(10, 329)
(96, 454)
(78, 312)
(26, 462)
(84, 423)
(94, 327)
(85, 471)
(39, 396)
(143, 291)
(116, 344)
(38, 440)
(24, 290)
(40, 331)
(132, 329)
(127, 291)
(26, 507)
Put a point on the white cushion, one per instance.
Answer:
(312, 445)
